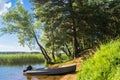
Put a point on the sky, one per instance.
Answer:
(10, 42)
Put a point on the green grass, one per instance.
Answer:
(18, 59)
(104, 65)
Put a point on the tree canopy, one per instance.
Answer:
(78, 23)
(67, 26)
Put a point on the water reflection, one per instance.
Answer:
(15, 72)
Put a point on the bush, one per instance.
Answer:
(104, 65)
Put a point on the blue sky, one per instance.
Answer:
(10, 42)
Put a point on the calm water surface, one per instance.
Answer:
(14, 72)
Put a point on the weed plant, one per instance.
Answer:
(104, 65)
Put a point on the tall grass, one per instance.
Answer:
(104, 65)
(18, 59)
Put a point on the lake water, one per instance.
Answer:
(14, 72)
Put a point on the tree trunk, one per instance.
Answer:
(48, 59)
(70, 54)
(75, 47)
(53, 54)
(75, 41)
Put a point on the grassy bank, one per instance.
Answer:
(17, 59)
(104, 65)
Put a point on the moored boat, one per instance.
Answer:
(52, 71)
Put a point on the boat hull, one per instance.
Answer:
(55, 71)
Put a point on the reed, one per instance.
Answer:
(18, 59)
(104, 65)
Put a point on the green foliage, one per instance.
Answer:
(59, 58)
(19, 21)
(62, 58)
(104, 65)
(96, 21)
(17, 59)
(57, 29)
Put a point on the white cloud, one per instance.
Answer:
(8, 5)
(21, 1)
(4, 6)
